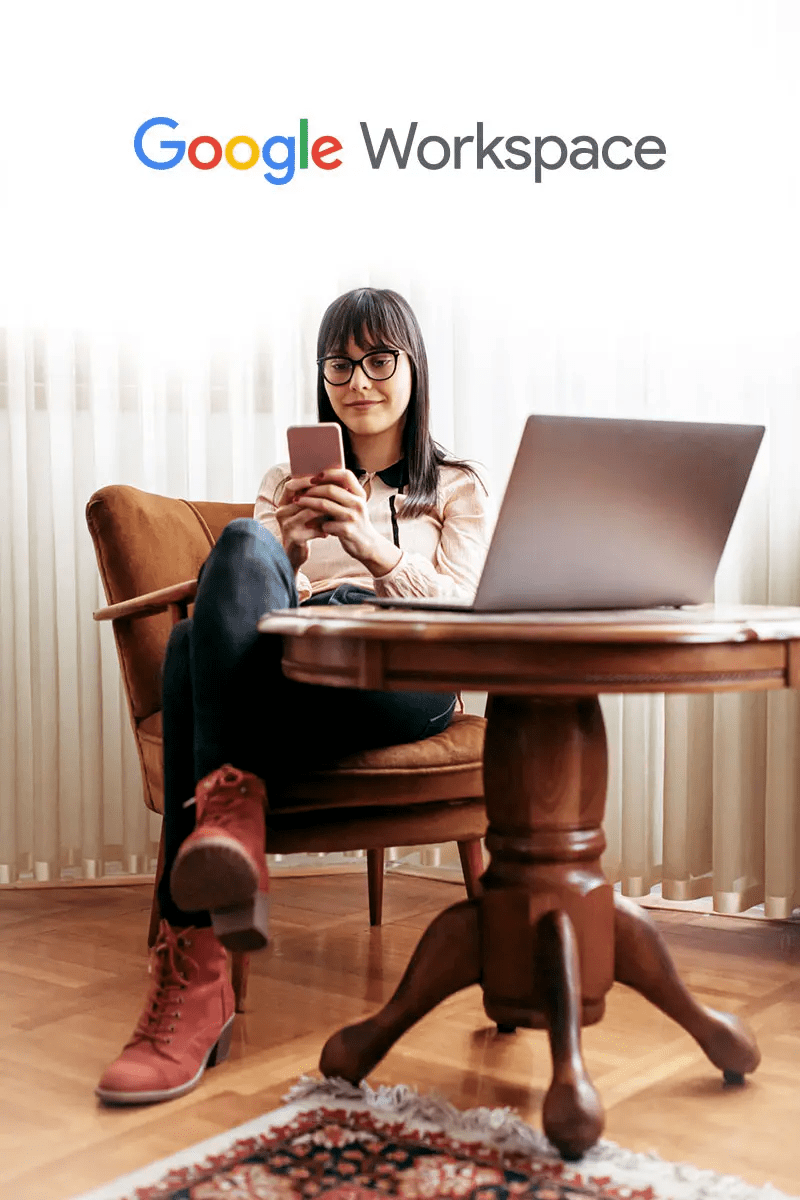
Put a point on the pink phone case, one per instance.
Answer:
(314, 448)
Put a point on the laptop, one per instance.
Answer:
(601, 513)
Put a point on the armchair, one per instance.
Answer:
(149, 550)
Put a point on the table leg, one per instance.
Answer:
(545, 772)
(572, 1116)
(446, 960)
(547, 936)
(643, 962)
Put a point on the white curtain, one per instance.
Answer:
(703, 794)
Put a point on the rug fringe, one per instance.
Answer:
(503, 1129)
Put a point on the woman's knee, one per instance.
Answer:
(246, 572)
(246, 539)
(243, 530)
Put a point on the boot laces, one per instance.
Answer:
(170, 965)
(217, 810)
(221, 793)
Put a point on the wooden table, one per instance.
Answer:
(548, 936)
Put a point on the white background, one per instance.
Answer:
(91, 235)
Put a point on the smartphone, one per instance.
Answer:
(315, 448)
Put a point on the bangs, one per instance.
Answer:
(378, 316)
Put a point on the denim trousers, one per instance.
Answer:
(226, 700)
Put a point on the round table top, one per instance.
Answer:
(703, 623)
(702, 648)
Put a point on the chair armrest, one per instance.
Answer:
(176, 598)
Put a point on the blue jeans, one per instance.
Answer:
(226, 700)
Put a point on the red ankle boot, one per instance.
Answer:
(186, 1025)
(221, 865)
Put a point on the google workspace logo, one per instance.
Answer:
(281, 154)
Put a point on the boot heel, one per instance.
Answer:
(243, 928)
(222, 1048)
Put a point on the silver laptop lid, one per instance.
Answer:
(606, 513)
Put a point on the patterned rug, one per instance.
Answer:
(336, 1142)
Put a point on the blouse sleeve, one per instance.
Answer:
(264, 513)
(467, 519)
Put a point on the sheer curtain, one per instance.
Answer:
(703, 794)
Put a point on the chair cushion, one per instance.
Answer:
(326, 830)
(447, 766)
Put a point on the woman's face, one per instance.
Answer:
(367, 406)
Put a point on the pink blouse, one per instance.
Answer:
(442, 551)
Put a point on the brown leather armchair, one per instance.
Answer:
(149, 551)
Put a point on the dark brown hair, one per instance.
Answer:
(384, 318)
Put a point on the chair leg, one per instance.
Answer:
(471, 857)
(375, 885)
(155, 911)
(240, 974)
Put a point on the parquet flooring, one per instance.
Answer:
(72, 980)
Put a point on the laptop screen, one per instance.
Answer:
(616, 513)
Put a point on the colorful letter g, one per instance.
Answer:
(178, 147)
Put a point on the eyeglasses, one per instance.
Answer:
(378, 365)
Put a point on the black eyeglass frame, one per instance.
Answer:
(359, 362)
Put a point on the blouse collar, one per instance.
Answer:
(393, 476)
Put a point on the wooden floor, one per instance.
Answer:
(72, 979)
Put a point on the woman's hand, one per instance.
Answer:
(298, 525)
(338, 505)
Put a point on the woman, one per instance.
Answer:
(400, 519)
